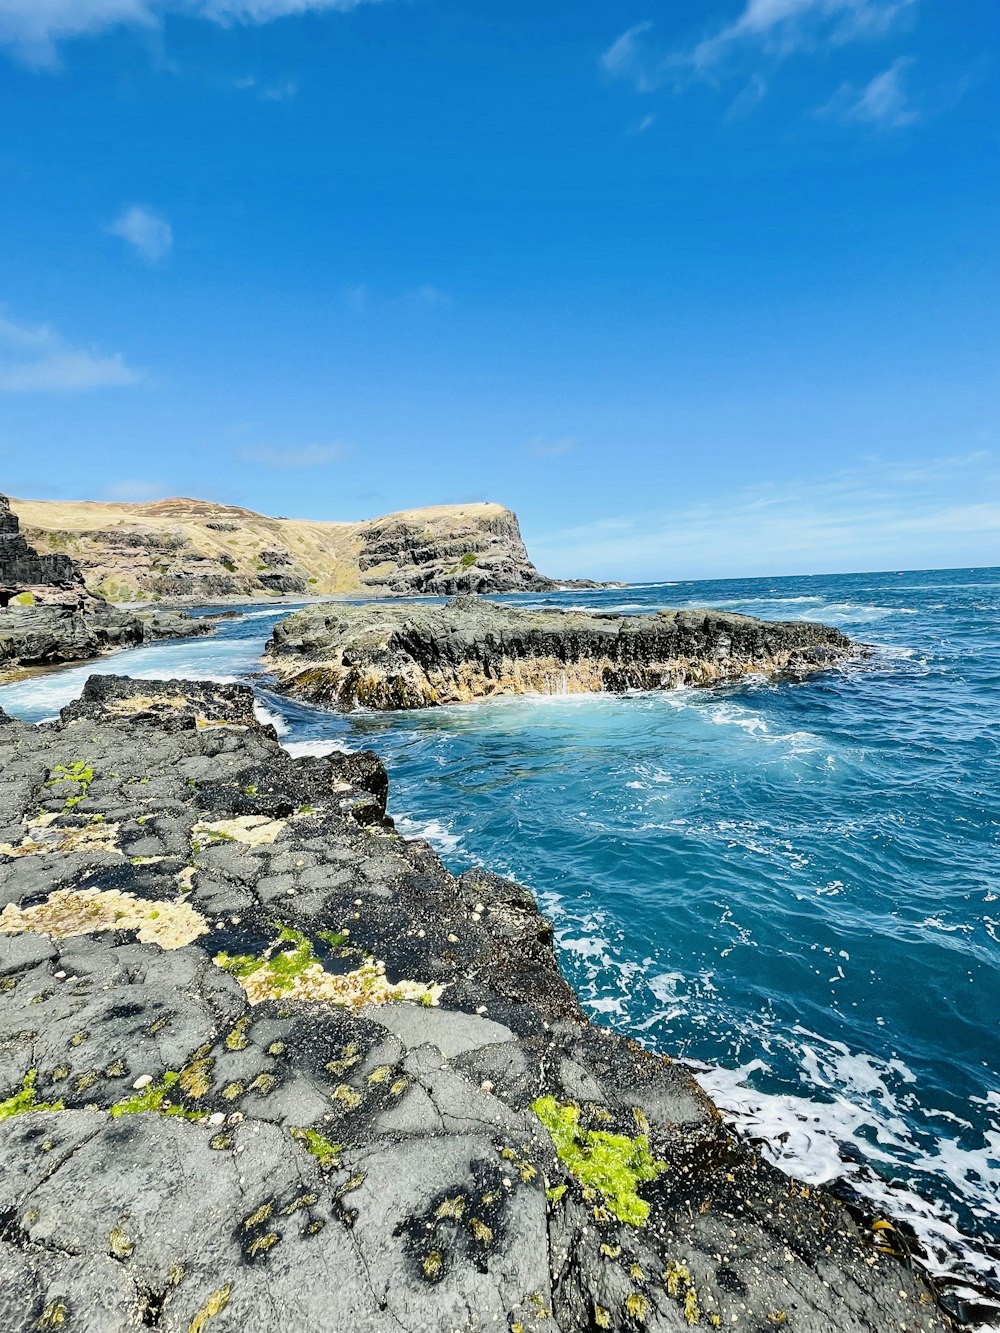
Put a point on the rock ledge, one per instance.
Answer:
(264, 1064)
(388, 656)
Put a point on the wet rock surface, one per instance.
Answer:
(47, 615)
(264, 1064)
(383, 656)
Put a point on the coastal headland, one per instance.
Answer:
(198, 551)
(266, 1064)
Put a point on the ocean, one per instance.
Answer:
(792, 886)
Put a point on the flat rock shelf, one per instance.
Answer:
(389, 656)
(266, 1065)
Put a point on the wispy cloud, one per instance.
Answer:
(764, 31)
(877, 515)
(36, 359)
(146, 232)
(427, 294)
(282, 90)
(883, 102)
(359, 297)
(783, 26)
(33, 28)
(631, 57)
(542, 447)
(303, 456)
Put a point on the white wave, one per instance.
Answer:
(817, 1142)
(317, 749)
(265, 715)
(431, 830)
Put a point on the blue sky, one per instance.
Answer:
(699, 289)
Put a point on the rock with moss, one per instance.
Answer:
(398, 657)
(264, 1063)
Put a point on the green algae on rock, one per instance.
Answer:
(613, 1164)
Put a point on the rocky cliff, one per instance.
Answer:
(48, 615)
(265, 1065)
(202, 552)
(384, 656)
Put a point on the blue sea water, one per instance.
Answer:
(793, 886)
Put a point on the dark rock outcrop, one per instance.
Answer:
(20, 564)
(47, 615)
(264, 1064)
(483, 553)
(382, 656)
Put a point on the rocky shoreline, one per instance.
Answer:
(265, 1064)
(391, 657)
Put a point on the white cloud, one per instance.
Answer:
(545, 448)
(33, 28)
(783, 25)
(878, 515)
(150, 236)
(432, 296)
(883, 102)
(36, 359)
(304, 456)
(774, 28)
(628, 57)
(282, 91)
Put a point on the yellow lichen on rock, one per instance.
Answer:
(69, 912)
(252, 830)
(142, 703)
(367, 984)
(43, 837)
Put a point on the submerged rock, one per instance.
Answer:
(385, 656)
(264, 1064)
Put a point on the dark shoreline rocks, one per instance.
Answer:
(389, 657)
(48, 617)
(264, 1064)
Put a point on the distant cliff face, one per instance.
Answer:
(195, 550)
(48, 615)
(479, 549)
(21, 566)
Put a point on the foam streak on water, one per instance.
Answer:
(792, 886)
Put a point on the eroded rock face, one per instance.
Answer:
(194, 1138)
(47, 615)
(483, 552)
(20, 564)
(415, 657)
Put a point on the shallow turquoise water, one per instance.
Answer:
(795, 886)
